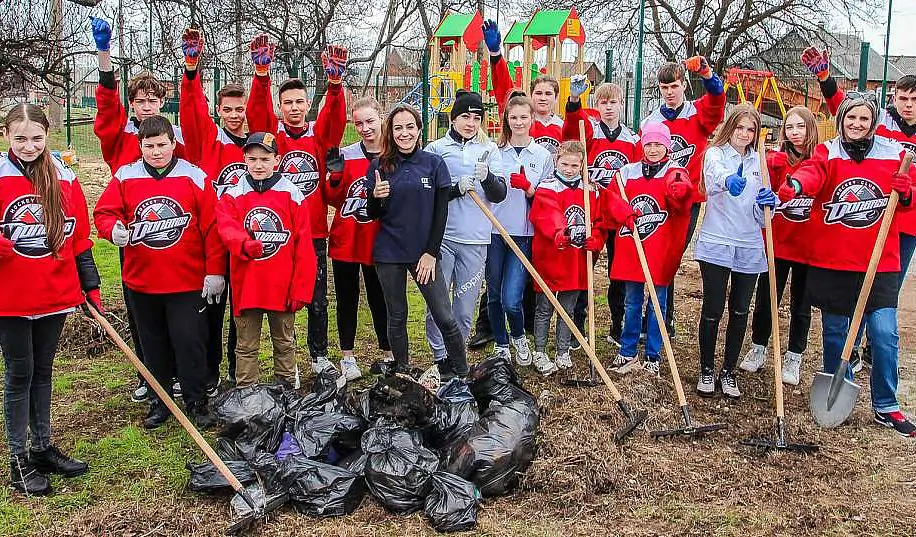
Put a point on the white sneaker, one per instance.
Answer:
(431, 379)
(651, 367)
(543, 364)
(349, 369)
(318, 365)
(176, 389)
(522, 352)
(563, 361)
(754, 358)
(610, 339)
(501, 352)
(706, 383)
(729, 385)
(623, 364)
(297, 383)
(791, 364)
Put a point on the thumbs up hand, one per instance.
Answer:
(520, 180)
(382, 187)
(736, 182)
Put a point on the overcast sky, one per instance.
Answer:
(903, 38)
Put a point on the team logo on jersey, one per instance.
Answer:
(606, 164)
(229, 177)
(23, 224)
(575, 221)
(355, 204)
(548, 143)
(649, 216)
(264, 225)
(796, 209)
(302, 169)
(158, 223)
(681, 151)
(857, 203)
(910, 147)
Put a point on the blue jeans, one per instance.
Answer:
(506, 278)
(882, 335)
(632, 320)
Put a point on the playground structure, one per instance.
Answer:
(453, 65)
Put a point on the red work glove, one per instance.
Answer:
(630, 222)
(262, 54)
(192, 45)
(677, 184)
(817, 62)
(334, 60)
(253, 249)
(777, 159)
(902, 184)
(295, 305)
(789, 190)
(94, 297)
(698, 65)
(6, 247)
(560, 240)
(520, 180)
(594, 243)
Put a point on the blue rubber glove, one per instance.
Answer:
(101, 32)
(766, 198)
(578, 84)
(491, 36)
(736, 182)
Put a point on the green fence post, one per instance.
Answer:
(216, 88)
(125, 73)
(639, 62)
(608, 64)
(69, 88)
(424, 95)
(863, 66)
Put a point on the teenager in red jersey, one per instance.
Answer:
(46, 266)
(797, 140)
(303, 145)
(218, 152)
(264, 222)
(161, 211)
(691, 123)
(850, 179)
(353, 232)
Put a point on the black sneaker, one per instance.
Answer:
(866, 355)
(54, 461)
(855, 361)
(157, 415)
(898, 422)
(26, 478)
(141, 394)
(480, 340)
(212, 389)
(201, 416)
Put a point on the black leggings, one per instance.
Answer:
(346, 287)
(800, 321)
(715, 292)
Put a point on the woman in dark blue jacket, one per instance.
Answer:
(408, 192)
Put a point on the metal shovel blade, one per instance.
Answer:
(832, 399)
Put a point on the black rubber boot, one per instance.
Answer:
(26, 478)
(54, 461)
(157, 415)
(201, 415)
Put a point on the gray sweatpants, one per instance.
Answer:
(544, 314)
(463, 268)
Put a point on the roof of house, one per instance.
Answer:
(904, 64)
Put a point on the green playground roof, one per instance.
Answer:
(454, 25)
(516, 34)
(547, 22)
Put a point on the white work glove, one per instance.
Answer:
(466, 183)
(119, 234)
(481, 170)
(578, 85)
(214, 285)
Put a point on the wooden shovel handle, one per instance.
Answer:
(589, 256)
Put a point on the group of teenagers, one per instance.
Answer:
(206, 216)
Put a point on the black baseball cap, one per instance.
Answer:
(264, 140)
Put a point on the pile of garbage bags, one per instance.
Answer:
(409, 449)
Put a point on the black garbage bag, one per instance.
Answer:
(354, 462)
(267, 468)
(499, 447)
(253, 417)
(398, 467)
(228, 450)
(316, 431)
(397, 399)
(452, 503)
(206, 478)
(319, 489)
(324, 394)
(495, 379)
(456, 412)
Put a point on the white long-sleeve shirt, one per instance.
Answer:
(512, 212)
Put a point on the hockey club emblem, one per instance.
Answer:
(229, 177)
(264, 225)
(796, 209)
(23, 224)
(606, 165)
(681, 151)
(649, 217)
(158, 223)
(575, 221)
(548, 143)
(910, 147)
(302, 169)
(857, 203)
(355, 204)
